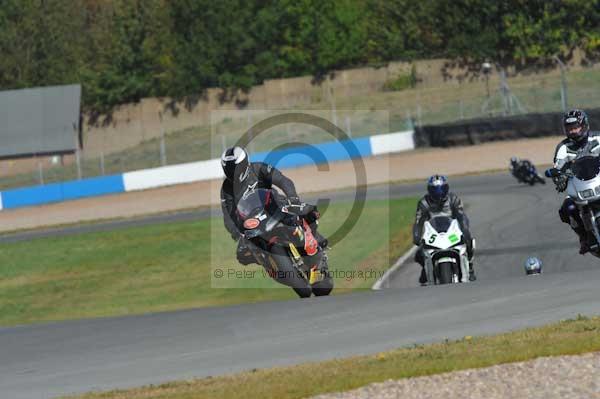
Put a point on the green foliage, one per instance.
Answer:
(402, 81)
(124, 50)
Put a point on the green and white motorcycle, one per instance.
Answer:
(445, 251)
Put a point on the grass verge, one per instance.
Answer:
(168, 266)
(568, 337)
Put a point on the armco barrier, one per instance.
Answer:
(204, 170)
(475, 131)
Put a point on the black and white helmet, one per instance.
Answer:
(235, 163)
(576, 125)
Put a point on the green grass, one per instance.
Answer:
(168, 266)
(569, 337)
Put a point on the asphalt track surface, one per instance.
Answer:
(510, 222)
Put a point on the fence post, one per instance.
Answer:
(78, 160)
(505, 94)
(163, 149)
(331, 93)
(563, 84)
(409, 122)
(77, 150)
(348, 126)
(251, 146)
(40, 172)
(102, 162)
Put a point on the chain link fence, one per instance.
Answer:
(494, 94)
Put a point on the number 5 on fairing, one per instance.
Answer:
(432, 238)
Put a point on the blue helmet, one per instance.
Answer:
(533, 265)
(437, 188)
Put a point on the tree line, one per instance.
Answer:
(124, 50)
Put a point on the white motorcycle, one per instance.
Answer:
(583, 188)
(446, 259)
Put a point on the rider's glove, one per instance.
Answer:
(313, 216)
(294, 200)
(244, 253)
(560, 182)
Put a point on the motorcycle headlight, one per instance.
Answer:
(585, 194)
(597, 190)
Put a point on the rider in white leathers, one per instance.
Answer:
(577, 129)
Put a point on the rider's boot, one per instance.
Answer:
(423, 277)
(322, 241)
(472, 276)
(470, 256)
(420, 259)
(323, 265)
(584, 246)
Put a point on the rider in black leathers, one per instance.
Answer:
(439, 200)
(520, 167)
(242, 176)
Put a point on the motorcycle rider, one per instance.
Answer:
(242, 176)
(576, 128)
(439, 200)
(519, 167)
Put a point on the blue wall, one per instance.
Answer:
(331, 151)
(56, 192)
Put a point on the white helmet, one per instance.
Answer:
(234, 161)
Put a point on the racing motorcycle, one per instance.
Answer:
(446, 259)
(583, 188)
(282, 241)
(528, 175)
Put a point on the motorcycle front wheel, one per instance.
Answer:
(287, 274)
(324, 287)
(444, 273)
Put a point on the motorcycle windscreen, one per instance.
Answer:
(441, 224)
(254, 202)
(586, 168)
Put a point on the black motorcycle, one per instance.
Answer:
(282, 241)
(527, 173)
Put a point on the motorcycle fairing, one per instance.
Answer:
(443, 239)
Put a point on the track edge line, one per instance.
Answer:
(383, 281)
